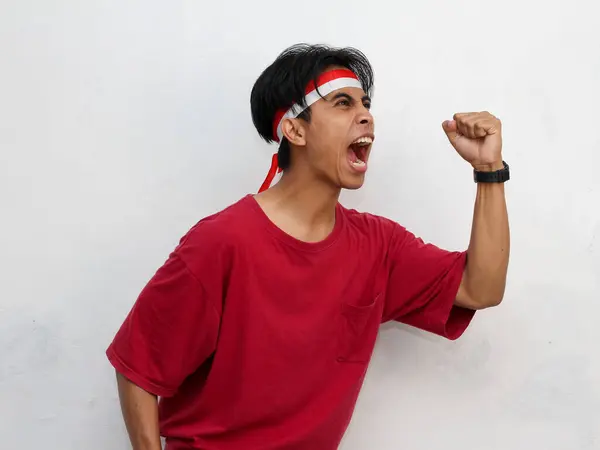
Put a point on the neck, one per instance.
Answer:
(301, 205)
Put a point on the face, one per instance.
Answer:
(337, 140)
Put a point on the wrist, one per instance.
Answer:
(491, 167)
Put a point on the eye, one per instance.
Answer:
(343, 103)
(367, 105)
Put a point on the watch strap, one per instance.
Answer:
(498, 176)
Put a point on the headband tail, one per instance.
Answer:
(274, 170)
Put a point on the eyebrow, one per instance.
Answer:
(344, 95)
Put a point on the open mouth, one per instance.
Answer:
(357, 152)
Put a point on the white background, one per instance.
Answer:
(122, 123)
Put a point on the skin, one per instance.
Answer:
(140, 413)
(303, 202)
(477, 138)
(303, 205)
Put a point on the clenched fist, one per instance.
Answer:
(477, 137)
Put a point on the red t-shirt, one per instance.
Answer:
(255, 340)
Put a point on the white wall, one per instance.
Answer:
(121, 122)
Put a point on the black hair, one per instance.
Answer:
(283, 83)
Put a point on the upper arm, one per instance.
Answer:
(423, 285)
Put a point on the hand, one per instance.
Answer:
(477, 137)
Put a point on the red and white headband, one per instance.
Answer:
(327, 82)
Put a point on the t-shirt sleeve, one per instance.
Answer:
(170, 331)
(422, 286)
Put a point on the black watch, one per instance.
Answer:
(499, 176)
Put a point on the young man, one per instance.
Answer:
(257, 331)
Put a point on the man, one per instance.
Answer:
(257, 331)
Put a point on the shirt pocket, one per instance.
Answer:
(357, 331)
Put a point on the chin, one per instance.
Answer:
(353, 184)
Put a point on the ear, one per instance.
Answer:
(294, 131)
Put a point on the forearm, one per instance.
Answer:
(477, 137)
(140, 412)
(484, 279)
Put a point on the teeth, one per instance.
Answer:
(363, 141)
(358, 162)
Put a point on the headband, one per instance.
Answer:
(327, 82)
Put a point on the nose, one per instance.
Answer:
(364, 116)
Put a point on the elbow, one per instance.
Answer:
(491, 301)
(493, 294)
(483, 284)
(481, 296)
(490, 296)
(478, 303)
